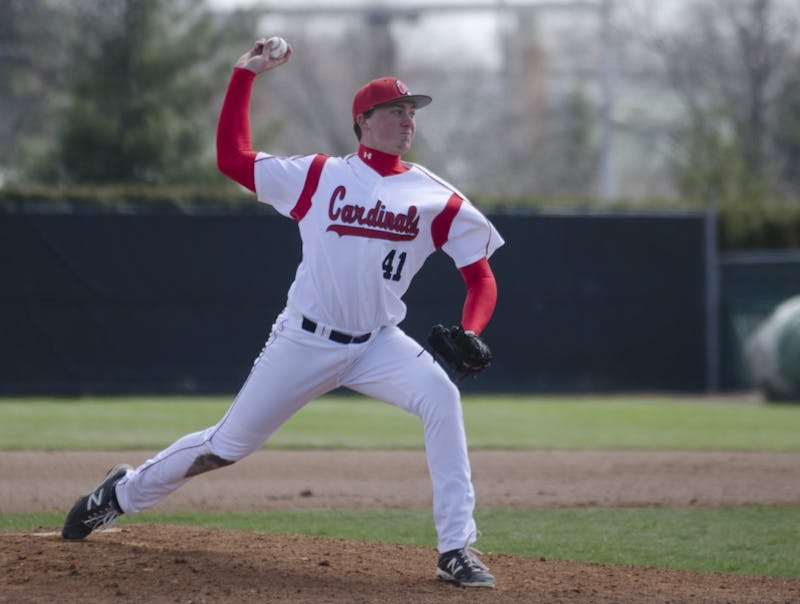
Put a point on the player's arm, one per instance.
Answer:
(235, 155)
(481, 295)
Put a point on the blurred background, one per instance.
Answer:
(618, 99)
(656, 138)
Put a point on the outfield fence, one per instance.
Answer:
(148, 298)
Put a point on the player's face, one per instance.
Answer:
(390, 128)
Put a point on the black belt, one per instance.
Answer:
(336, 336)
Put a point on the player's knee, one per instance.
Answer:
(205, 463)
(441, 400)
(449, 393)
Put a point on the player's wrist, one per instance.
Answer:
(243, 71)
(470, 328)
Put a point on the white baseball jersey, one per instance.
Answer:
(365, 235)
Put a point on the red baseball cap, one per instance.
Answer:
(382, 91)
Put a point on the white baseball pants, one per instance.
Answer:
(295, 367)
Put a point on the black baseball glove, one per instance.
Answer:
(462, 351)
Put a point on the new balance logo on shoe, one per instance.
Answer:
(94, 499)
(454, 566)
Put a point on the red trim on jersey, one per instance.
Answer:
(235, 156)
(481, 295)
(303, 204)
(384, 164)
(342, 230)
(440, 227)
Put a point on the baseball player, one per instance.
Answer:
(367, 221)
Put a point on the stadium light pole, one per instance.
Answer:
(712, 270)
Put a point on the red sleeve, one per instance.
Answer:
(481, 295)
(235, 156)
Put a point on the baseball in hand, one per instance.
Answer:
(277, 47)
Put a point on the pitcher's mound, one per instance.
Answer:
(183, 564)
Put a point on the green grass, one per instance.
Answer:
(750, 540)
(740, 540)
(500, 422)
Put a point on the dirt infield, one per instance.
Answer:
(148, 563)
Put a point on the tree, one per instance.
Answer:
(31, 78)
(726, 60)
(142, 86)
(785, 128)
